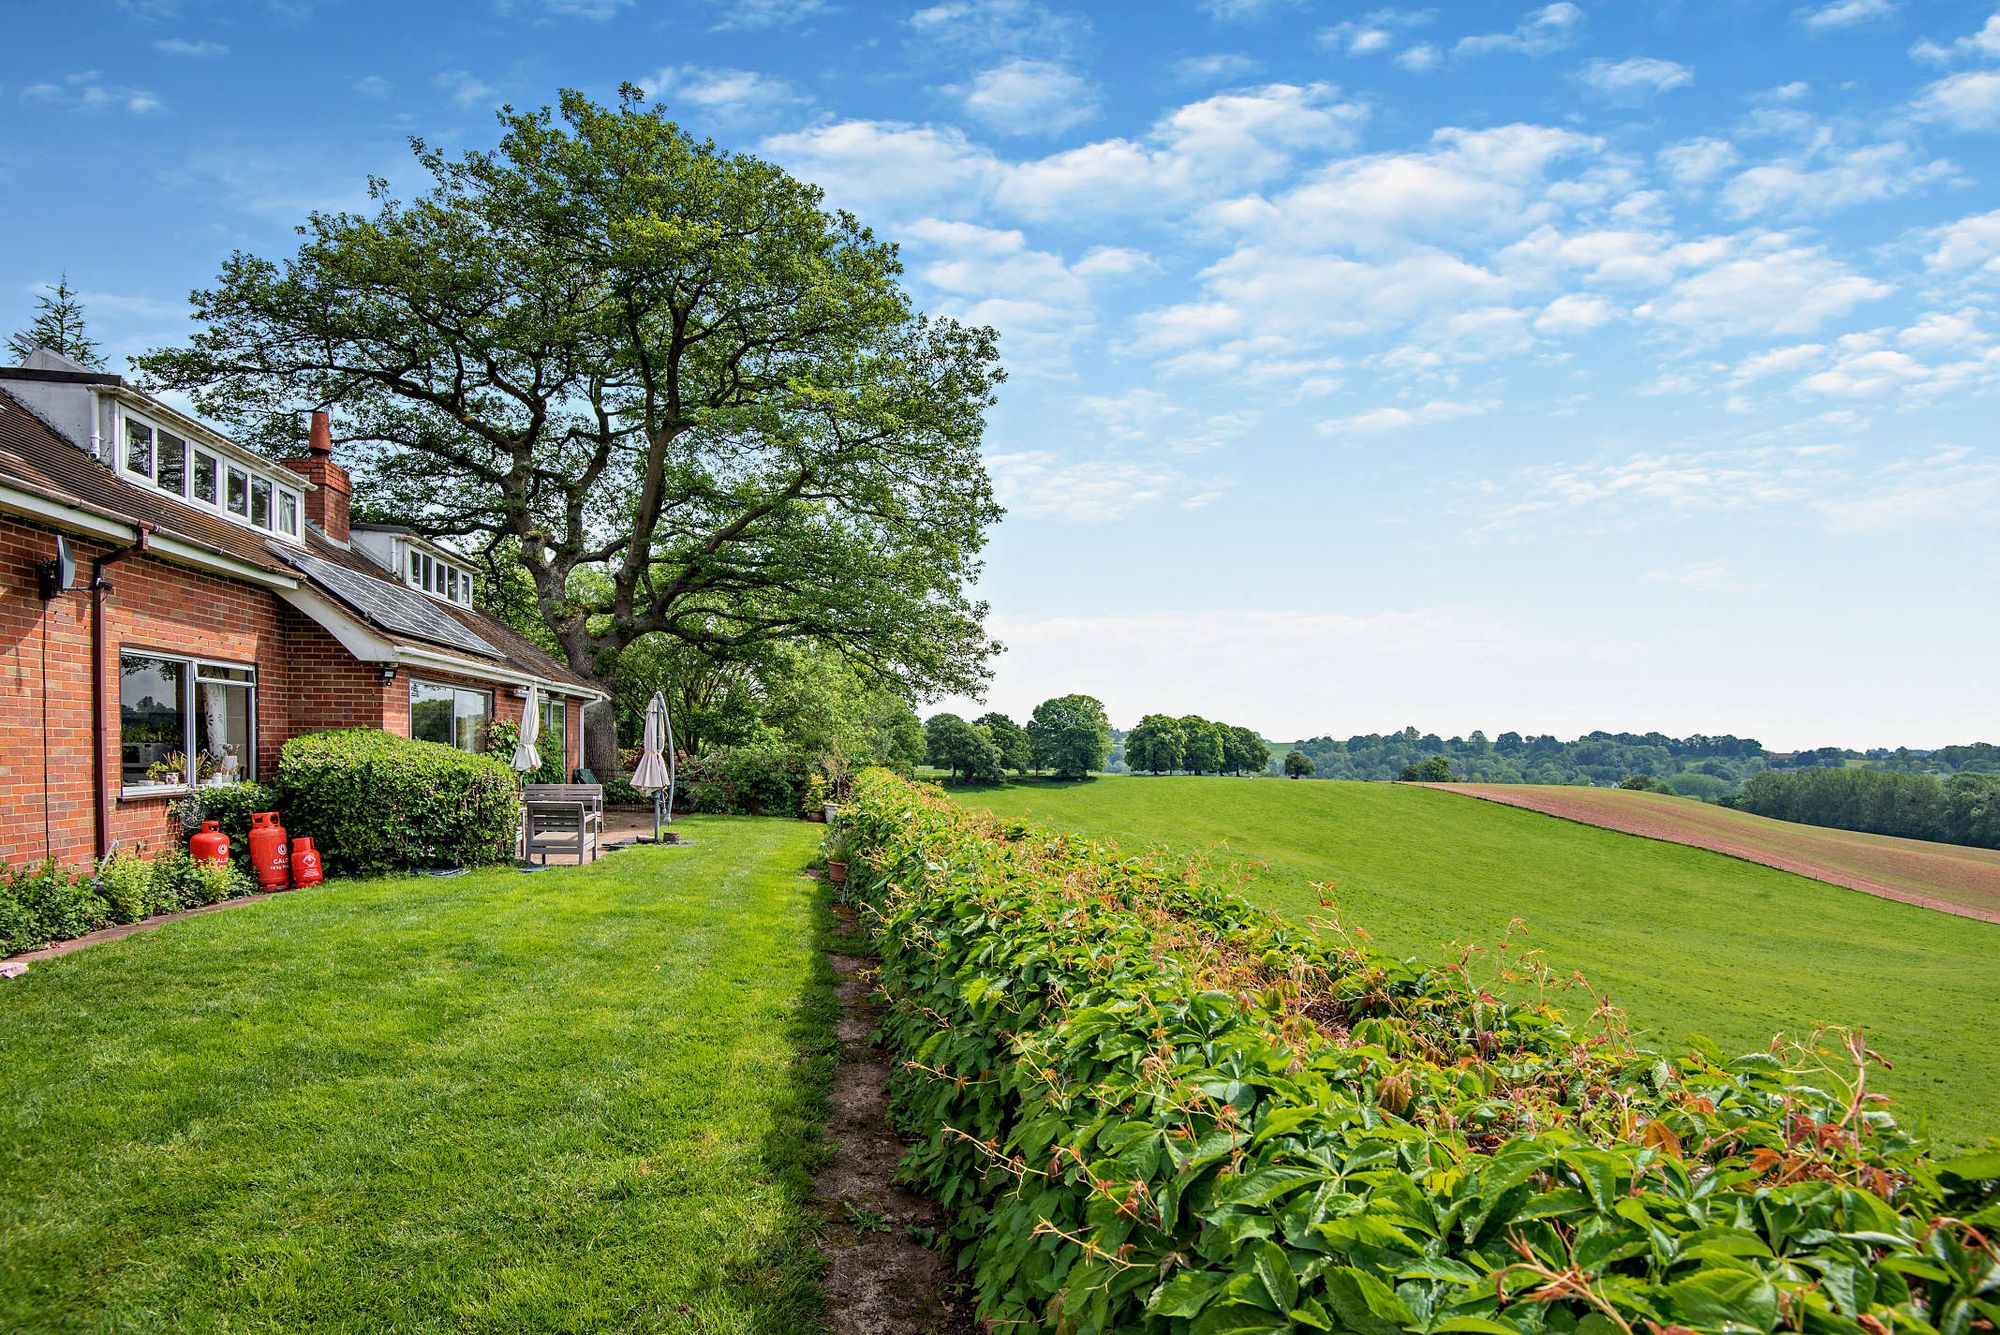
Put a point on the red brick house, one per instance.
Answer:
(221, 604)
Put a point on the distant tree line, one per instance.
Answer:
(1698, 766)
(1068, 736)
(1961, 809)
(1163, 744)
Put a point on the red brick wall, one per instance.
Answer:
(23, 690)
(305, 682)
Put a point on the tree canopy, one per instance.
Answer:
(1016, 751)
(623, 352)
(58, 326)
(1298, 764)
(1070, 735)
(964, 749)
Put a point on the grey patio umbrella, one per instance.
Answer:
(655, 771)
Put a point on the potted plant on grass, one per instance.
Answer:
(838, 850)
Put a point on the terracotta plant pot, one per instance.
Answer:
(836, 872)
(816, 817)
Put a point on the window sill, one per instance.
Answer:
(152, 790)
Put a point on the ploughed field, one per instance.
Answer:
(1686, 941)
(1958, 880)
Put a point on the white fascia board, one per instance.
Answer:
(179, 549)
(488, 671)
(85, 523)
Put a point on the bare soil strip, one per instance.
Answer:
(884, 1276)
(1944, 877)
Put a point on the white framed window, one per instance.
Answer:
(450, 715)
(184, 722)
(153, 455)
(439, 578)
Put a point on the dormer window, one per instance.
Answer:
(159, 457)
(439, 578)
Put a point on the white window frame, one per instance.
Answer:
(446, 581)
(193, 452)
(191, 677)
(456, 690)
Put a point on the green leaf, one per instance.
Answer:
(1725, 1300)
(1365, 1304)
(1274, 1268)
(1186, 1293)
(1979, 1166)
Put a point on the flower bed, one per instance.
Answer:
(1151, 1107)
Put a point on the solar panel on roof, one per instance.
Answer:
(391, 606)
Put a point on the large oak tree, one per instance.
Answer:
(694, 401)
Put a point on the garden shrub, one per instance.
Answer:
(46, 902)
(125, 884)
(230, 806)
(1150, 1107)
(374, 802)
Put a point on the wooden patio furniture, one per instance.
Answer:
(562, 818)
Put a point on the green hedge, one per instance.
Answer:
(1150, 1107)
(373, 802)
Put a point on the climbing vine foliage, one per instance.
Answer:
(1150, 1107)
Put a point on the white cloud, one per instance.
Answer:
(1694, 161)
(464, 88)
(371, 86)
(87, 91)
(889, 169)
(1850, 176)
(1970, 246)
(957, 29)
(1574, 313)
(1702, 577)
(1550, 28)
(1201, 150)
(1220, 68)
(763, 15)
(1950, 486)
(1771, 284)
(1841, 14)
(1113, 262)
(1981, 45)
(1023, 96)
(1375, 33)
(1968, 101)
(987, 275)
(1633, 80)
(1040, 484)
(723, 94)
(1661, 484)
(595, 10)
(1238, 11)
(1383, 421)
(194, 50)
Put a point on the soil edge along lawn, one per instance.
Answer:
(588, 1099)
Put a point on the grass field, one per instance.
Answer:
(1687, 941)
(1941, 876)
(587, 1099)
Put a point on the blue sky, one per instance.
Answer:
(1543, 367)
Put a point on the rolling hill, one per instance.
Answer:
(1685, 940)
(1948, 877)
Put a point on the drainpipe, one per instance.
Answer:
(100, 590)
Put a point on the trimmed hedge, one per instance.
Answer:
(373, 802)
(1150, 1107)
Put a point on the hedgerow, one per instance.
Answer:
(1150, 1107)
(373, 802)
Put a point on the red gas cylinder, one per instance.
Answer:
(268, 856)
(305, 862)
(210, 844)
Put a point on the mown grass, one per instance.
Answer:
(586, 1099)
(1685, 940)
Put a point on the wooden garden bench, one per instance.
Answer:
(563, 818)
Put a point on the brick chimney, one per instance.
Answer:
(326, 503)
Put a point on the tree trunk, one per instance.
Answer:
(600, 740)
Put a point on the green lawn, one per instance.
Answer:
(1685, 940)
(587, 1099)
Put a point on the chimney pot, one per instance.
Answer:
(327, 503)
(322, 433)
